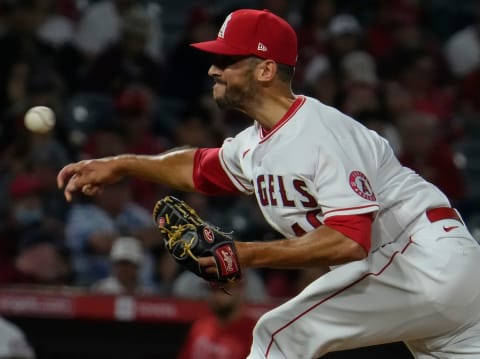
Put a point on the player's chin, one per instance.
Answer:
(222, 103)
(218, 90)
(218, 96)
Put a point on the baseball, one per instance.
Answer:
(40, 119)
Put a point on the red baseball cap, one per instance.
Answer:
(254, 32)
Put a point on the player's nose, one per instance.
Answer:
(214, 71)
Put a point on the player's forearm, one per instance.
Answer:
(173, 168)
(322, 247)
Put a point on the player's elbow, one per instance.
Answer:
(354, 251)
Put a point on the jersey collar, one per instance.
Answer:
(266, 134)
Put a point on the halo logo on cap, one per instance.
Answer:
(221, 32)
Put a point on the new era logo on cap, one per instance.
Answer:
(261, 47)
(257, 33)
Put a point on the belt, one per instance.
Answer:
(439, 213)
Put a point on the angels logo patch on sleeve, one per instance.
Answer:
(360, 184)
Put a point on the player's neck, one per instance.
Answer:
(272, 108)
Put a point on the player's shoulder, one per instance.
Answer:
(323, 114)
(246, 135)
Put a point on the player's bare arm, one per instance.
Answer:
(322, 247)
(173, 168)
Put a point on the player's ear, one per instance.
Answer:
(266, 70)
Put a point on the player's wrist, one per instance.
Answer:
(123, 164)
(244, 254)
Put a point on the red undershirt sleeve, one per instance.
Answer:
(209, 176)
(357, 227)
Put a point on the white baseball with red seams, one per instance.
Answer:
(302, 173)
(40, 119)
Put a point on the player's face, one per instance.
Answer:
(234, 85)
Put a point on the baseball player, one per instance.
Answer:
(402, 263)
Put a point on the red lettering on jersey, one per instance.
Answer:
(285, 201)
(313, 219)
(301, 187)
(271, 190)
(361, 185)
(262, 192)
(299, 231)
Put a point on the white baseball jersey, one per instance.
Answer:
(316, 163)
(418, 284)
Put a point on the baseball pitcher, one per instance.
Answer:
(403, 265)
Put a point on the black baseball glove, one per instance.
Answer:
(187, 237)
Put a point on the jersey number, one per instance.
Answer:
(311, 219)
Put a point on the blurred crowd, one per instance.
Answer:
(121, 81)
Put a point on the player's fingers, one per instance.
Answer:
(91, 190)
(79, 183)
(67, 173)
(70, 187)
(205, 262)
(64, 174)
(208, 265)
(67, 195)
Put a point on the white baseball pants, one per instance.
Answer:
(424, 291)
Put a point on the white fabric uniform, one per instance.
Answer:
(13, 343)
(419, 280)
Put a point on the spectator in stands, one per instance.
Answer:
(200, 26)
(12, 225)
(468, 99)
(166, 271)
(313, 31)
(101, 26)
(135, 120)
(426, 151)
(344, 36)
(19, 43)
(380, 122)
(125, 60)
(421, 75)
(360, 84)
(55, 29)
(188, 285)
(92, 227)
(282, 8)
(321, 82)
(462, 48)
(285, 284)
(194, 128)
(226, 333)
(25, 194)
(13, 343)
(41, 259)
(398, 101)
(126, 256)
(394, 29)
(27, 211)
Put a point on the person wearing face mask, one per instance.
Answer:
(26, 203)
(23, 210)
(28, 236)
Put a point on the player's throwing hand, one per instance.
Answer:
(87, 176)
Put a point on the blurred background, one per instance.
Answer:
(91, 279)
